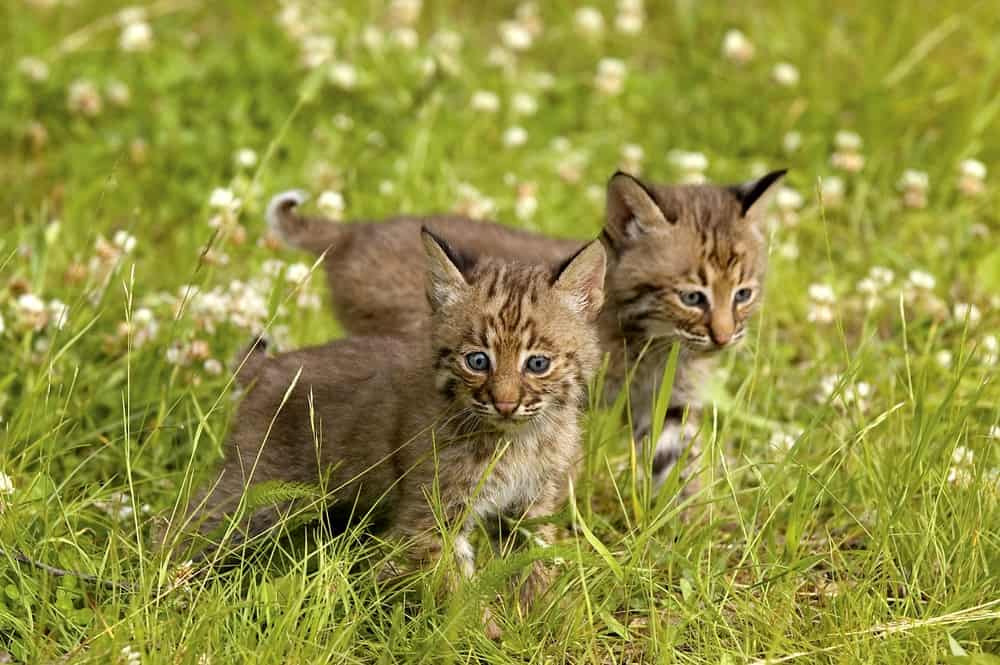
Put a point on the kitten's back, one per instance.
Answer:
(376, 269)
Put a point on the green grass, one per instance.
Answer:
(864, 541)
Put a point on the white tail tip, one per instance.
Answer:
(281, 203)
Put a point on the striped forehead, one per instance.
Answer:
(512, 299)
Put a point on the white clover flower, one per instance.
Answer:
(136, 37)
(527, 17)
(868, 287)
(245, 158)
(914, 185)
(822, 293)
(297, 273)
(223, 198)
(831, 190)
(331, 203)
(789, 250)
(785, 74)
(403, 12)
(515, 137)
(736, 47)
(130, 656)
(967, 311)
(515, 36)
(485, 101)
(991, 348)
(973, 168)
(632, 158)
(972, 174)
(272, 267)
(852, 162)
(882, 275)
(6, 484)
(791, 141)
(922, 280)
(688, 161)
(629, 23)
(447, 40)
(31, 312)
(58, 314)
(247, 308)
(84, 98)
(589, 21)
(472, 203)
(962, 456)
(33, 68)
(118, 93)
(944, 358)
(781, 442)
(820, 313)
(526, 206)
(317, 50)
(788, 200)
(610, 77)
(212, 367)
(913, 179)
(343, 75)
(847, 141)
(523, 103)
(124, 240)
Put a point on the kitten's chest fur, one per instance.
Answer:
(523, 466)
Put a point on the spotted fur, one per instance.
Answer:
(389, 422)
(662, 240)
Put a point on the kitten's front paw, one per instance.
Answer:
(674, 440)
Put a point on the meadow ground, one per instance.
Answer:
(850, 506)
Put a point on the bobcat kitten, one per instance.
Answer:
(686, 263)
(501, 379)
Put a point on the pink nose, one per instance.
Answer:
(721, 339)
(505, 408)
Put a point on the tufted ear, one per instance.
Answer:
(581, 279)
(445, 281)
(755, 194)
(631, 210)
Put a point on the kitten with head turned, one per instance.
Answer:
(387, 423)
(686, 264)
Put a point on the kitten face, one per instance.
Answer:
(689, 260)
(513, 342)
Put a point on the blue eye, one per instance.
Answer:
(537, 364)
(477, 361)
(742, 295)
(693, 298)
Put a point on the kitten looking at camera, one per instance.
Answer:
(686, 264)
(500, 379)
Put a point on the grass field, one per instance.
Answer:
(850, 507)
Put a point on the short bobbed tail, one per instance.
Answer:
(313, 234)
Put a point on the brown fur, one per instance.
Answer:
(385, 422)
(660, 239)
